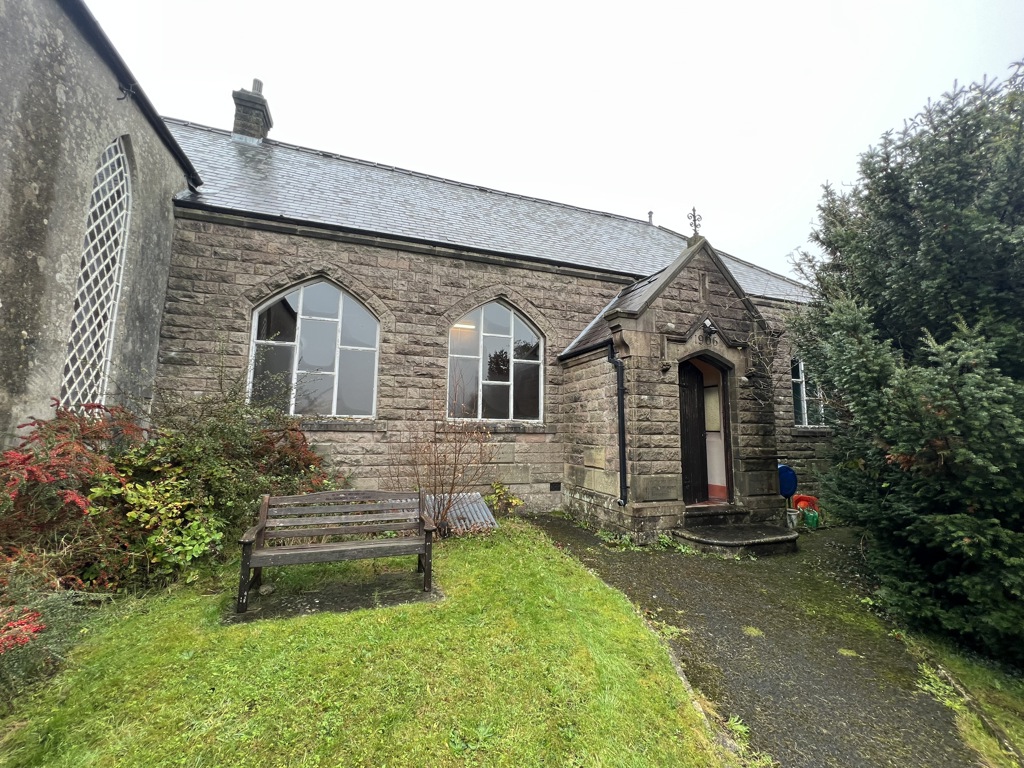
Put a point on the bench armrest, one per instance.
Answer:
(250, 536)
(428, 522)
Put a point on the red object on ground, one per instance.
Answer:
(801, 501)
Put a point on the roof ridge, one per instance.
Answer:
(406, 171)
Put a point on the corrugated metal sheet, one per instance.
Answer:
(468, 514)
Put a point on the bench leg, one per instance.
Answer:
(257, 578)
(243, 582)
(425, 565)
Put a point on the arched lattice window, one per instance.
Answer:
(315, 353)
(494, 365)
(90, 343)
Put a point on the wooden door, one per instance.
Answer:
(694, 436)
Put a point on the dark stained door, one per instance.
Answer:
(694, 436)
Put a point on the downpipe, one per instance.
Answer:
(620, 398)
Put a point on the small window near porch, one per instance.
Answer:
(807, 407)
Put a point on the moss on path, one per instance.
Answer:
(784, 644)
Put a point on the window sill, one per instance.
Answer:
(343, 425)
(515, 427)
(811, 431)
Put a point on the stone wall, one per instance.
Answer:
(652, 344)
(60, 108)
(590, 434)
(805, 449)
(701, 287)
(224, 267)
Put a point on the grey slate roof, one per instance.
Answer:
(277, 180)
(634, 298)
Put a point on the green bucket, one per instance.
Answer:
(810, 518)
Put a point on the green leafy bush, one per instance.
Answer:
(501, 500)
(114, 504)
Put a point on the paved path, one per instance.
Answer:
(784, 644)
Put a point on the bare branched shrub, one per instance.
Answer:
(763, 347)
(443, 456)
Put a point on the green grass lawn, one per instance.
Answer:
(529, 660)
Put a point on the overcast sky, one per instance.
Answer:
(742, 109)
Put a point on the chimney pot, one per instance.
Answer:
(252, 115)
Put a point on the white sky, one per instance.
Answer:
(742, 109)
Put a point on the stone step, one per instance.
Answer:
(703, 515)
(739, 540)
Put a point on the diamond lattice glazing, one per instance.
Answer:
(99, 281)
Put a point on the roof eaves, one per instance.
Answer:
(97, 38)
(199, 205)
(736, 287)
(569, 352)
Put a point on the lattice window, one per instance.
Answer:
(99, 281)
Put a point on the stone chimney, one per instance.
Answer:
(252, 115)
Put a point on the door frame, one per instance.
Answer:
(725, 369)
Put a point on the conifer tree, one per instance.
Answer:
(917, 340)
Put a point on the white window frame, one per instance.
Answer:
(254, 343)
(801, 418)
(479, 357)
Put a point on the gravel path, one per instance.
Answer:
(784, 644)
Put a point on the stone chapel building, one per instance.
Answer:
(625, 372)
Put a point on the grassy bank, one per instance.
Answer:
(993, 722)
(529, 660)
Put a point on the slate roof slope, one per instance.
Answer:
(278, 180)
(634, 298)
(758, 281)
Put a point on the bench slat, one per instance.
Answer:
(328, 496)
(326, 509)
(289, 522)
(346, 550)
(339, 530)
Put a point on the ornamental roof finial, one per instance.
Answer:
(695, 220)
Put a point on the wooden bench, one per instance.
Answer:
(343, 523)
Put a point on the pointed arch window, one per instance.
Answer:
(495, 366)
(315, 353)
(98, 291)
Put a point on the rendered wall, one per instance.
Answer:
(59, 110)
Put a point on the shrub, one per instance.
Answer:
(501, 500)
(38, 621)
(114, 504)
(46, 476)
(443, 457)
